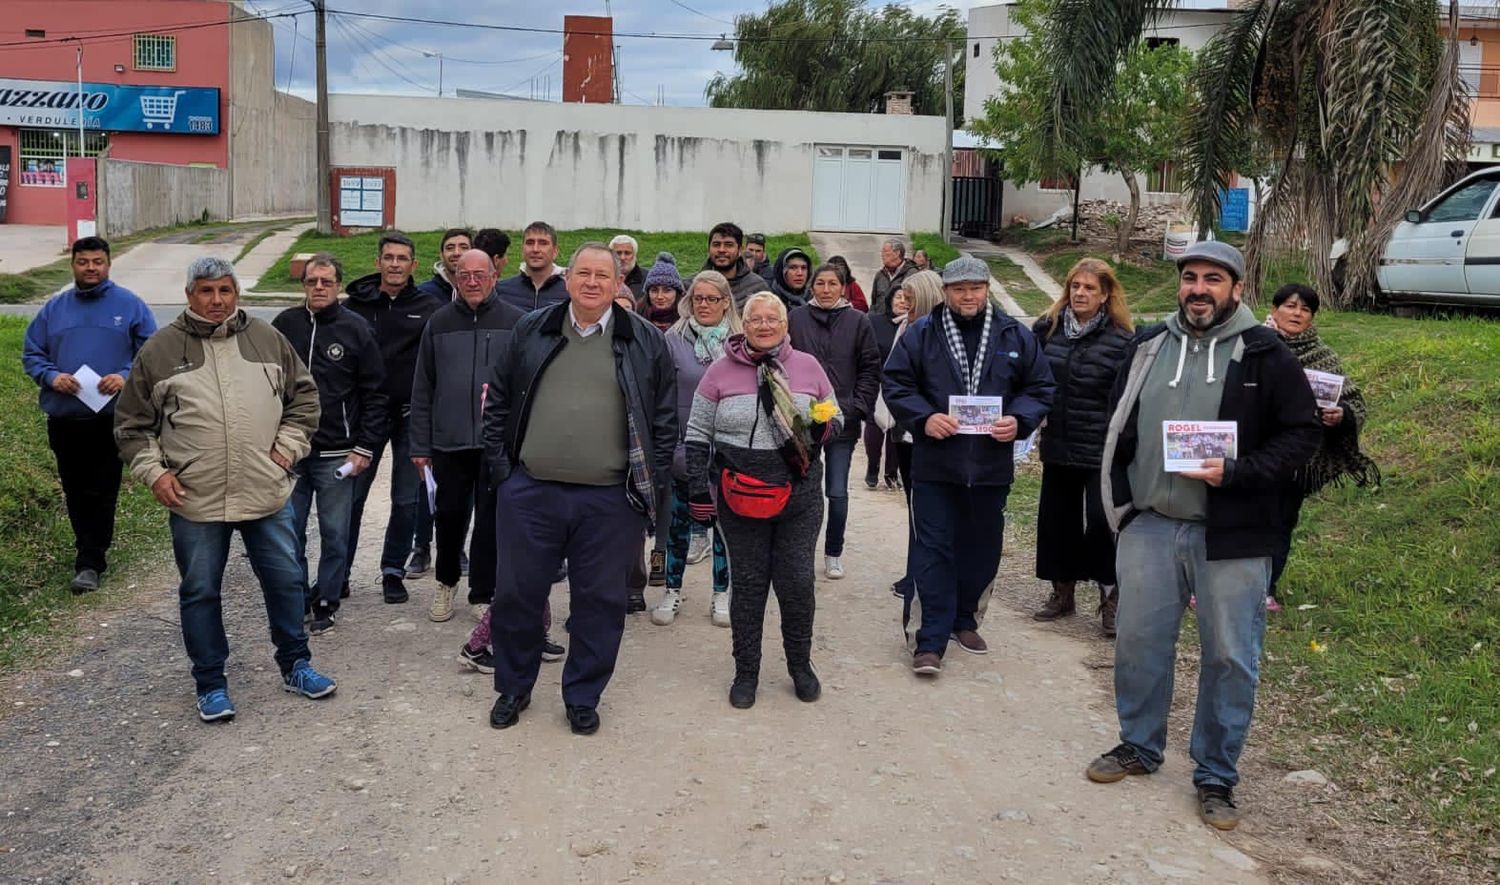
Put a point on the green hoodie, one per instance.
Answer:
(1184, 383)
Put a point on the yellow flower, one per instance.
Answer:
(824, 411)
(1317, 647)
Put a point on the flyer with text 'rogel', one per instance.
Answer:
(976, 414)
(1326, 387)
(1186, 444)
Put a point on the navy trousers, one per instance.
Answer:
(959, 533)
(596, 530)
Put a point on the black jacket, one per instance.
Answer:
(460, 347)
(922, 373)
(643, 367)
(398, 324)
(635, 281)
(792, 298)
(340, 351)
(1266, 392)
(842, 341)
(519, 292)
(884, 326)
(886, 282)
(1084, 369)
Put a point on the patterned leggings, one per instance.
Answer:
(774, 553)
(480, 637)
(678, 537)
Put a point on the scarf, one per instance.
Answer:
(1074, 329)
(708, 341)
(970, 374)
(662, 318)
(1338, 458)
(788, 429)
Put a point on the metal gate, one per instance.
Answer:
(978, 206)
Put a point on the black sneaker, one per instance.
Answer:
(322, 621)
(551, 651)
(872, 483)
(1216, 806)
(393, 589)
(482, 660)
(419, 562)
(1116, 765)
(637, 602)
(86, 580)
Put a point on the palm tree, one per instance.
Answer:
(1356, 105)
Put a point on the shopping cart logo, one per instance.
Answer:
(160, 109)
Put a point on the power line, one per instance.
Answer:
(358, 41)
(682, 5)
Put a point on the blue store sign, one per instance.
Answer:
(54, 104)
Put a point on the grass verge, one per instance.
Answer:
(1025, 292)
(36, 543)
(358, 252)
(938, 250)
(39, 282)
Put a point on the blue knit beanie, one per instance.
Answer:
(664, 273)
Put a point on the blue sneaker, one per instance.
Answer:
(309, 683)
(214, 706)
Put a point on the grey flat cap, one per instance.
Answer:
(966, 269)
(1215, 252)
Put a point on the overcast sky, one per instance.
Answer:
(368, 55)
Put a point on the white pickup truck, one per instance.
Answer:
(1448, 251)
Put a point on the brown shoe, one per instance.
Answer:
(1109, 601)
(926, 663)
(1059, 604)
(1116, 765)
(971, 642)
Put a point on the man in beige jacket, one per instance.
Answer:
(216, 411)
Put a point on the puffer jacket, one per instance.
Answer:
(1084, 369)
(208, 403)
(843, 343)
(460, 348)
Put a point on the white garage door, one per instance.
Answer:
(859, 188)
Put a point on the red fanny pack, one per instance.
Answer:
(752, 498)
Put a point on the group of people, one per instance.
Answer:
(610, 422)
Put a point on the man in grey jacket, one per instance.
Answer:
(459, 348)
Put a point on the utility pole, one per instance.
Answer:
(947, 211)
(325, 213)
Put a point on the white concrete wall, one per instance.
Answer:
(272, 135)
(136, 196)
(1035, 203)
(505, 163)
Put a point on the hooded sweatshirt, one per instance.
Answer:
(103, 328)
(439, 287)
(792, 298)
(1184, 384)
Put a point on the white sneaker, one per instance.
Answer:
(721, 609)
(442, 603)
(666, 610)
(478, 610)
(833, 568)
(698, 548)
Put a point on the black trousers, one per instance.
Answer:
(1073, 540)
(460, 491)
(88, 463)
(1292, 499)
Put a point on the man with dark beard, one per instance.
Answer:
(1208, 533)
(725, 242)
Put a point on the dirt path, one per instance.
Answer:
(109, 777)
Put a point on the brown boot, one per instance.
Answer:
(1060, 603)
(1109, 600)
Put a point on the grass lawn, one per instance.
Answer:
(358, 252)
(1032, 300)
(36, 544)
(19, 288)
(937, 250)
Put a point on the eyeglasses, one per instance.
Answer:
(765, 322)
(472, 276)
(709, 299)
(319, 283)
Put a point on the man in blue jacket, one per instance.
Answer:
(961, 479)
(101, 326)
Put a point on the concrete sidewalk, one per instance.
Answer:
(27, 246)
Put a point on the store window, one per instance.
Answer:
(155, 52)
(44, 150)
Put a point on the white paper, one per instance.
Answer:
(976, 414)
(1326, 387)
(344, 470)
(431, 483)
(88, 388)
(1022, 449)
(1185, 444)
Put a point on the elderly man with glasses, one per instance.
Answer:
(340, 350)
(459, 350)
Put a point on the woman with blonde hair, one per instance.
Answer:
(1084, 335)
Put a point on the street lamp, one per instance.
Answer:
(723, 44)
(439, 57)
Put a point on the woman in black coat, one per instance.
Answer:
(1084, 335)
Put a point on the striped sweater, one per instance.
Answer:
(724, 419)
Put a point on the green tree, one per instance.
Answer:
(1358, 103)
(841, 55)
(1136, 128)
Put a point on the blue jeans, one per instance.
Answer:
(202, 550)
(836, 457)
(405, 486)
(316, 477)
(959, 533)
(1160, 563)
